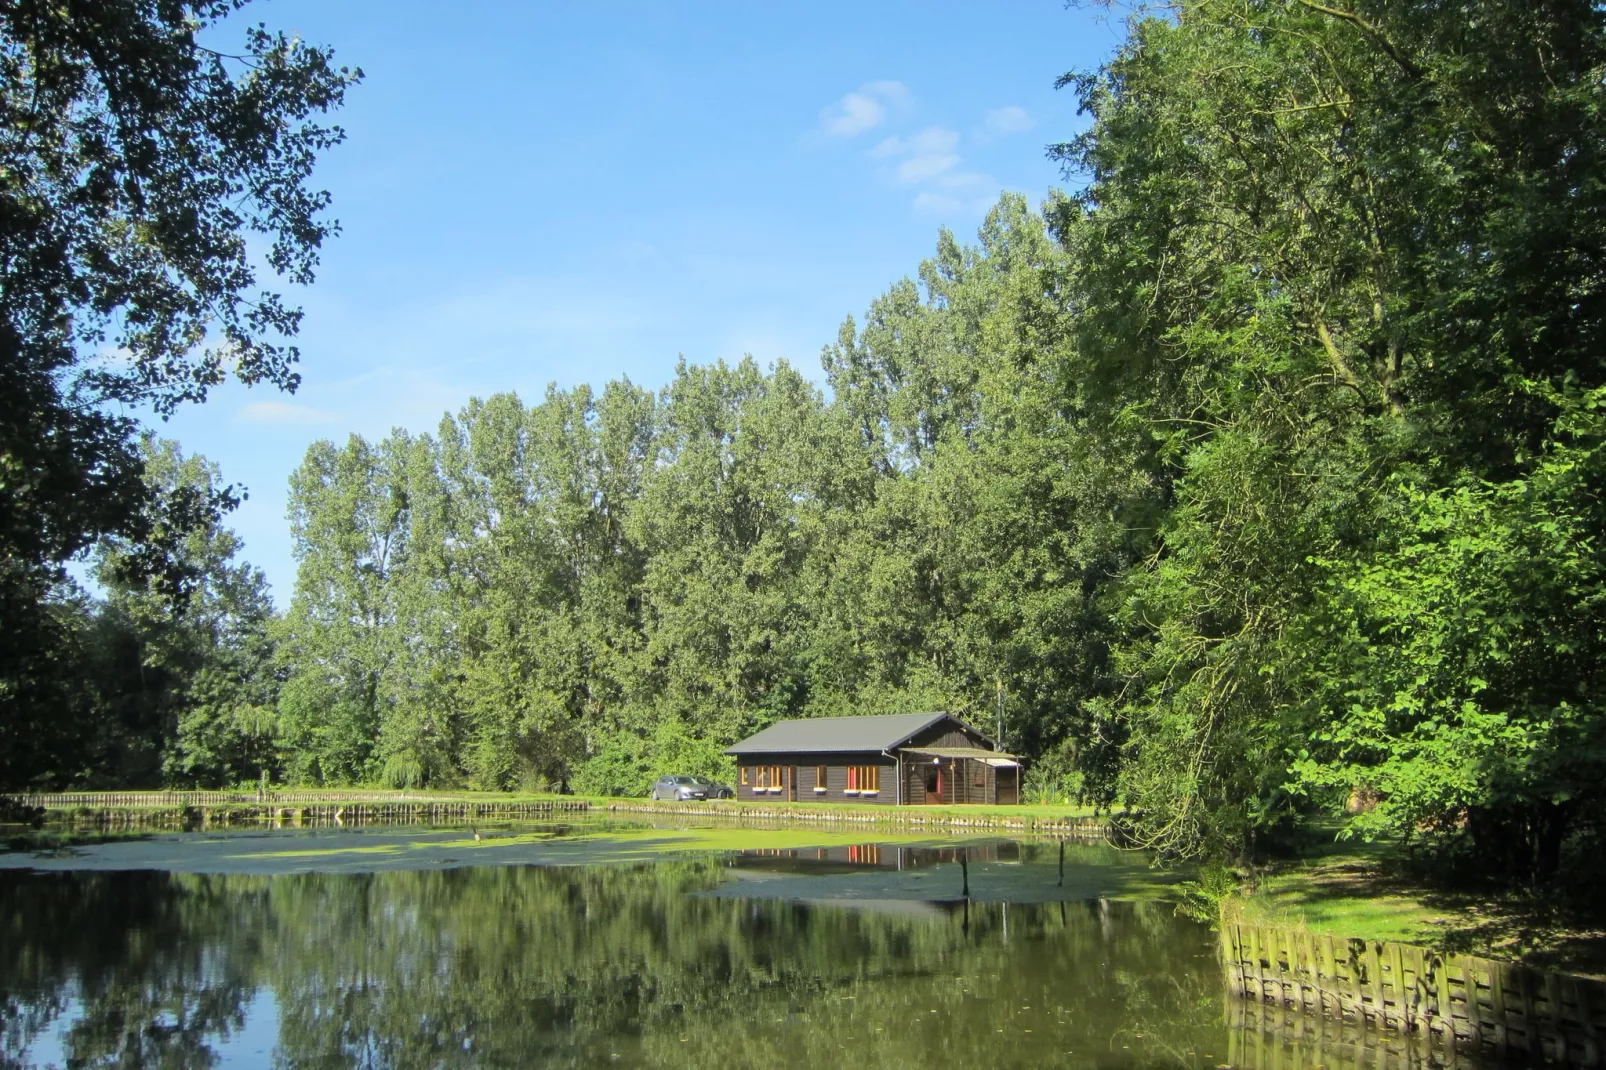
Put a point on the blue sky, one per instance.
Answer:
(535, 193)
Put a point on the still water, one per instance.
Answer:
(864, 955)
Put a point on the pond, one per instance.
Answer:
(606, 945)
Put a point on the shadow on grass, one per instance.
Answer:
(1548, 932)
(1376, 891)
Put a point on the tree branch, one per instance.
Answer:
(1394, 51)
(1345, 373)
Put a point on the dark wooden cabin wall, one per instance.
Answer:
(802, 769)
(950, 734)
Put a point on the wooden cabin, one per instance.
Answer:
(904, 759)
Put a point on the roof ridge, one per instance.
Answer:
(863, 716)
(794, 733)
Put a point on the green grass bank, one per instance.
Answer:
(1367, 891)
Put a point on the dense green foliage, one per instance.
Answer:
(1259, 480)
(146, 692)
(597, 587)
(137, 169)
(1343, 269)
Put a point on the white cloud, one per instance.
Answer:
(928, 160)
(864, 109)
(1010, 120)
(921, 168)
(964, 180)
(894, 93)
(936, 204)
(926, 155)
(853, 114)
(282, 412)
(932, 140)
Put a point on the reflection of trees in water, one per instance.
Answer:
(512, 966)
(158, 964)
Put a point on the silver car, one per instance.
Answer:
(679, 789)
(715, 789)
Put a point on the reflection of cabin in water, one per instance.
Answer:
(853, 858)
(903, 759)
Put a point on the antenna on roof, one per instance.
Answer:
(998, 678)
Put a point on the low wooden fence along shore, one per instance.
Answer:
(1093, 828)
(168, 808)
(279, 796)
(1449, 1002)
(182, 809)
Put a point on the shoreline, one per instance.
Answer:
(180, 810)
(1359, 891)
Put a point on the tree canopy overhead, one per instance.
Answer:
(136, 165)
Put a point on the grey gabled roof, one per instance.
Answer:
(825, 734)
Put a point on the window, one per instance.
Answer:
(768, 778)
(819, 779)
(744, 776)
(864, 779)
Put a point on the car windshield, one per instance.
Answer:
(684, 780)
(701, 780)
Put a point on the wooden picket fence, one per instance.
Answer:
(1098, 829)
(207, 809)
(1461, 1001)
(122, 805)
(104, 799)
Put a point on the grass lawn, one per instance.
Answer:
(1343, 892)
(1359, 890)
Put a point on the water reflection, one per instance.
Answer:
(632, 965)
(855, 858)
(1264, 1037)
(583, 967)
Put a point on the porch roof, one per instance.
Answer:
(991, 757)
